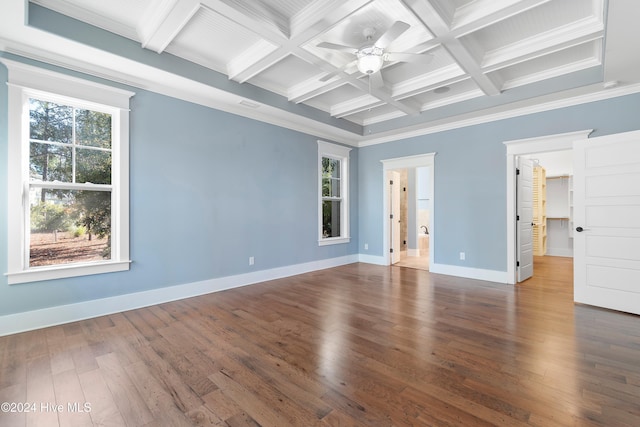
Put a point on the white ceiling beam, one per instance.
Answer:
(406, 106)
(336, 11)
(355, 105)
(471, 66)
(452, 99)
(263, 28)
(320, 15)
(313, 20)
(583, 31)
(560, 70)
(162, 23)
(378, 118)
(255, 60)
(311, 88)
(428, 14)
(442, 76)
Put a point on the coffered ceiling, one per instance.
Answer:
(296, 58)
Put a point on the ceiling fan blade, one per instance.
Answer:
(417, 58)
(376, 80)
(339, 47)
(336, 72)
(391, 34)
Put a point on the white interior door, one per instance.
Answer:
(394, 217)
(524, 218)
(607, 221)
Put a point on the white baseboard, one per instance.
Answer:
(449, 270)
(42, 318)
(469, 273)
(566, 252)
(372, 259)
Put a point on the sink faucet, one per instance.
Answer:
(426, 230)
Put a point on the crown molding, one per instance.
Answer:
(507, 111)
(31, 43)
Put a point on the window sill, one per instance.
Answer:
(334, 241)
(59, 272)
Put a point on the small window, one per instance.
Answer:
(333, 201)
(68, 176)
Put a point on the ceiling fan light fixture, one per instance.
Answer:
(370, 59)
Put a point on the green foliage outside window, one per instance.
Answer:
(71, 145)
(330, 197)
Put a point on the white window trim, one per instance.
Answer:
(27, 81)
(338, 152)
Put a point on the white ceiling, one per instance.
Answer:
(487, 56)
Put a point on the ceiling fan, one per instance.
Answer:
(371, 56)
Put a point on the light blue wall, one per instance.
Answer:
(470, 177)
(207, 191)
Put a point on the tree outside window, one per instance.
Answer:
(331, 199)
(70, 174)
(333, 171)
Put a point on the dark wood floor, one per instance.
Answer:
(354, 345)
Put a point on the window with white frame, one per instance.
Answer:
(333, 211)
(68, 176)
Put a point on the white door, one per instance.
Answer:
(394, 216)
(524, 218)
(607, 221)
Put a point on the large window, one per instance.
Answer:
(68, 176)
(333, 165)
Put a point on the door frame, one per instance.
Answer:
(394, 175)
(518, 147)
(409, 162)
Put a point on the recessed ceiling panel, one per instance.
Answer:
(439, 62)
(531, 23)
(119, 16)
(336, 96)
(448, 94)
(374, 115)
(288, 72)
(212, 40)
(556, 64)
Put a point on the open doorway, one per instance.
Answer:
(408, 211)
(544, 209)
(409, 217)
(552, 218)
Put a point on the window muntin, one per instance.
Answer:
(333, 193)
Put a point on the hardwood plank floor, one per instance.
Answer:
(348, 346)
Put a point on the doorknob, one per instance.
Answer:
(580, 229)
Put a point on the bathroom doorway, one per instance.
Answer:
(408, 209)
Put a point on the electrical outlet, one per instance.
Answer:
(366, 246)
(462, 256)
(251, 260)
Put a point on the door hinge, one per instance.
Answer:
(391, 182)
(391, 216)
(391, 250)
(517, 171)
(517, 263)
(517, 217)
